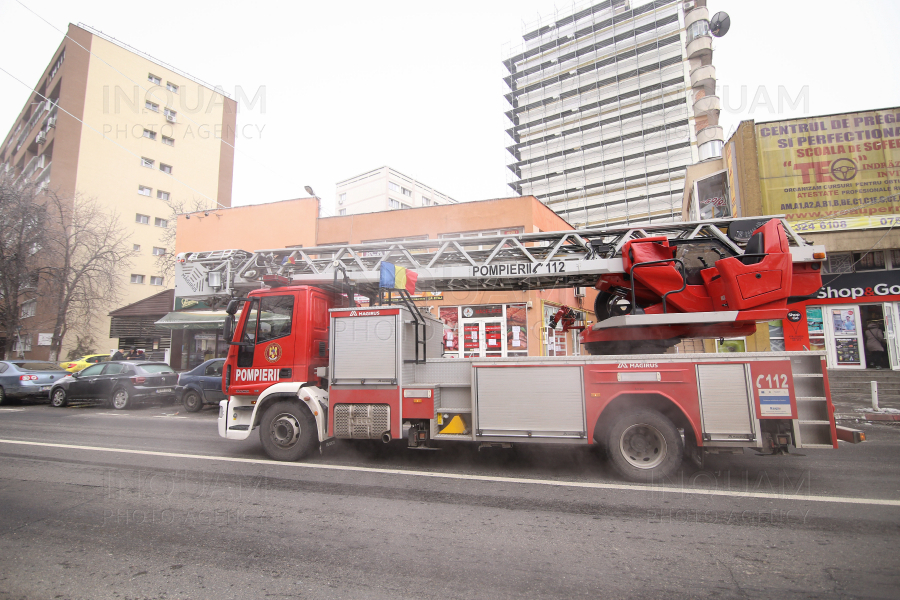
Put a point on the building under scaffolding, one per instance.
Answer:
(609, 105)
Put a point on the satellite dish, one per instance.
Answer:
(719, 24)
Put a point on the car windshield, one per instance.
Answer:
(157, 368)
(37, 366)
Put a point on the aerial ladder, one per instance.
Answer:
(657, 283)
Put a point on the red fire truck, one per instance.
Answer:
(308, 364)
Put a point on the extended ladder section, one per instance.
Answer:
(526, 261)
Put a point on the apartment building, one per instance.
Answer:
(608, 106)
(109, 122)
(385, 189)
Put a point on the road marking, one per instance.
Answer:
(175, 416)
(115, 414)
(12, 410)
(485, 478)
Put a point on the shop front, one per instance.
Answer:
(854, 320)
(485, 330)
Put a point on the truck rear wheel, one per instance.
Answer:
(287, 431)
(643, 445)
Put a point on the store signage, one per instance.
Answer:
(794, 316)
(490, 310)
(868, 285)
(832, 172)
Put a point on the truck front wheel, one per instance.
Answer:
(643, 445)
(287, 431)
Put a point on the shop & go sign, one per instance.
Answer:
(853, 286)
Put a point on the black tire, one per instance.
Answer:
(3, 398)
(120, 399)
(612, 304)
(192, 401)
(288, 431)
(58, 398)
(643, 445)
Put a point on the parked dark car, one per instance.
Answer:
(27, 378)
(120, 382)
(202, 385)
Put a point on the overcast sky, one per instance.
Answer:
(351, 86)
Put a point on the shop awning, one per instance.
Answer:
(197, 319)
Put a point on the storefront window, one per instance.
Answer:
(815, 327)
(846, 337)
(731, 345)
(712, 196)
(516, 330)
(776, 336)
(449, 316)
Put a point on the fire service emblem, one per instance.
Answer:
(273, 353)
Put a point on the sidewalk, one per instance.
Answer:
(856, 406)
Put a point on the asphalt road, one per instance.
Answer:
(151, 503)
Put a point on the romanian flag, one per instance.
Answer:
(396, 278)
(288, 260)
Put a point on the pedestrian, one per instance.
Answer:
(133, 355)
(118, 355)
(875, 346)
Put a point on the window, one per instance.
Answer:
(839, 263)
(342, 212)
(153, 79)
(404, 206)
(342, 198)
(168, 141)
(160, 222)
(869, 261)
(157, 251)
(171, 87)
(137, 278)
(406, 192)
(92, 371)
(426, 201)
(165, 168)
(393, 186)
(149, 134)
(147, 162)
(28, 309)
(214, 369)
(895, 259)
(151, 105)
(23, 344)
(170, 114)
(143, 220)
(393, 203)
(156, 280)
(143, 190)
(136, 247)
(162, 195)
(275, 317)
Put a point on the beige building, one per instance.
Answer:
(385, 189)
(117, 125)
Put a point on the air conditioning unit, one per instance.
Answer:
(51, 122)
(41, 138)
(170, 118)
(579, 292)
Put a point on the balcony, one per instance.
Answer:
(38, 115)
(704, 77)
(708, 134)
(699, 47)
(43, 181)
(701, 13)
(33, 166)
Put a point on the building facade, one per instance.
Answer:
(608, 106)
(110, 123)
(385, 189)
(831, 177)
(486, 323)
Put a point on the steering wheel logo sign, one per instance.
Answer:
(843, 169)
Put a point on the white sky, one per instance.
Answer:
(351, 86)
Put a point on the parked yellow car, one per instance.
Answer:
(85, 361)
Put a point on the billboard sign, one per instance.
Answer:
(832, 173)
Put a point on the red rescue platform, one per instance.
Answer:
(669, 291)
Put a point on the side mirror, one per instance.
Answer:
(75, 375)
(233, 306)
(228, 327)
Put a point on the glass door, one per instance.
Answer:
(471, 339)
(890, 333)
(483, 339)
